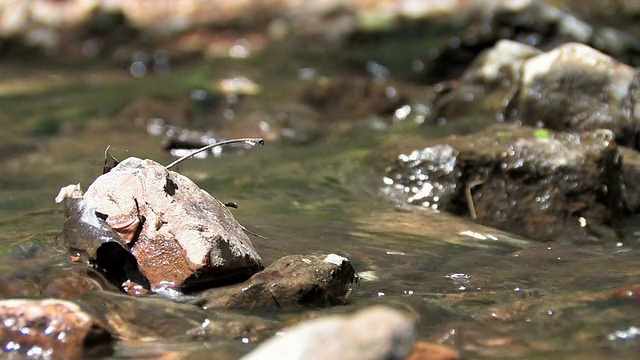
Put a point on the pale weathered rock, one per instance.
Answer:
(576, 88)
(570, 88)
(50, 328)
(487, 86)
(372, 334)
(187, 237)
(294, 280)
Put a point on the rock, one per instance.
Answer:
(356, 97)
(427, 351)
(374, 333)
(629, 293)
(155, 318)
(570, 88)
(49, 274)
(577, 88)
(291, 281)
(631, 175)
(487, 86)
(187, 239)
(531, 22)
(532, 182)
(51, 328)
(94, 241)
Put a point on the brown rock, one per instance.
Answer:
(50, 328)
(536, 183)
(293, 280)
(188, 237)
(627, 293)
(372, 334)
(427, 351)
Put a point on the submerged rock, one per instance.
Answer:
(631, 174)
(371, 334)
(51, 328)
(291, 281)
(532, 182)
(153, 318)
(427, 351)
(187, 237)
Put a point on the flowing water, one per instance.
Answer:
(484, 292)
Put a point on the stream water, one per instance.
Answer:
(484, 292)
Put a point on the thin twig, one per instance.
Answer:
(469, 196)
(248, 141)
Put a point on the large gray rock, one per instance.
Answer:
(377, 333)
(185, 238)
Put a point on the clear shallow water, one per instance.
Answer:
(487, 293)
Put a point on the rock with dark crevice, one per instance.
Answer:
(187, 239)
(533, 182)
(290, 282)
(51, 328)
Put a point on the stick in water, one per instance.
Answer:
(248, 141)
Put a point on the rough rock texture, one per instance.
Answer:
(291, 281)
(575, 88)
(487, 86)
(372, 334)
(570, 88)
(536, 183)
(187, 237)
(49, 328)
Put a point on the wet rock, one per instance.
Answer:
(631, 174)
(631, 293)
(576, 88)
(532, 182)
(154, 318)
(570, 88)
(487, 86)
(49, 277)
(187, 239)
(427, 351)
(356, 97)
(531, 22)
(373, 333)
(142, 111)
(291, 281)
(288, 123)
(94, 241)
(51, 328)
